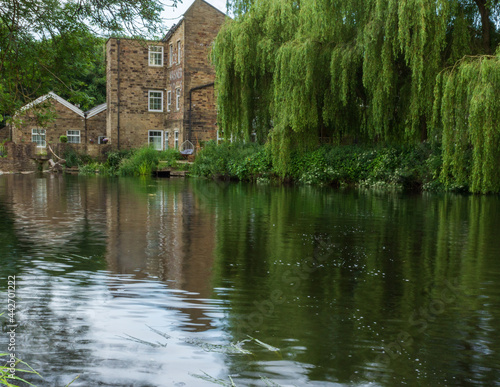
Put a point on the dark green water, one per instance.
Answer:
(161, 283)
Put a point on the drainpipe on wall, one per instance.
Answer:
(191, 104)
(118, 98)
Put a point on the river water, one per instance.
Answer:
(133, 282)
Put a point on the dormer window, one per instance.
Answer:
(156, 56)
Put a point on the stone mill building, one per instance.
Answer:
(158, 92)
(162, 93)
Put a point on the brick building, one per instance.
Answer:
(162, 93)
(81, 128)
(159, 93)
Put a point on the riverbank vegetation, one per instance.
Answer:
(407, 167)
(135, 162)
(395, 74)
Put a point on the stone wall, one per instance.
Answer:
(5, 133)
(186, 65)
(97, 151)
(203, 23)
(96, 126)
(175, 116)
(203, 120)
(129, 80)
(19, 158)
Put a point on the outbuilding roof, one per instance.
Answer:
(96, 110)
(54, 96)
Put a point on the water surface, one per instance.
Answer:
(129, 282)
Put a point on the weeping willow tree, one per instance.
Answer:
(298, 71)
(467, 106)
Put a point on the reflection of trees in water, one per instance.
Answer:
(329, 277)
(352, 269)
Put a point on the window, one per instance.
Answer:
(155, 139)
(155, 101)
(220, 136)
(171, 50)
(100, 140)
(73, 136)
(169, 100)
(156, 56)
(176, 139)
(179, 51)
(177, 98)
(38, 136)
(166, 139)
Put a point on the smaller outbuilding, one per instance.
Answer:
(49, 117)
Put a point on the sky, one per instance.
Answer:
(170, 15)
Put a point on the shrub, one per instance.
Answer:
(72, 158)
(115, 157)
(3, 149)
(242, 161)
(141, 162)
(170, 157)
(63, 139)
(89, 169)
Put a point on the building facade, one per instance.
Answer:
(159, 93)
(162, 93)
(81, 128)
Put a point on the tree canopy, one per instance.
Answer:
(395, 71)
(54, 45)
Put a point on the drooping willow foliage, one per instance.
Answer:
(295, 72)
(468, 106)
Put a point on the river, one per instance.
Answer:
(166, 282)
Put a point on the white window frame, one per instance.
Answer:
(179, 52)
(171, 54)
(150, 97)
(167, 135)
(156, 134)
(169, 100)
(176, 139)
(178, 98)
(73, 135)
(39, 136)
(156, 56)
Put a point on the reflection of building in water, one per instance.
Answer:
(153, 231)
(50, 212)
(162, 235)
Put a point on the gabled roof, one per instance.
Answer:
(54, 96)
(172, 30)
(96, 110)
(177, 25)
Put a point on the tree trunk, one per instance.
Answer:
(486, 24)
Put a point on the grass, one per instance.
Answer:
(231, 348)
(6, 377)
